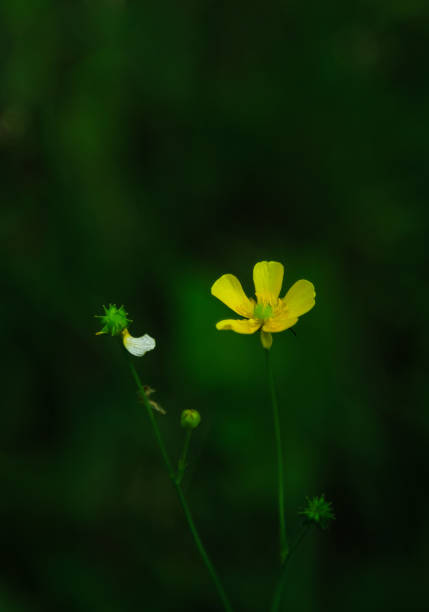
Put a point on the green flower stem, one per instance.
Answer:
(280, 484)
(182, 461)
(281, 581)
(227, 606)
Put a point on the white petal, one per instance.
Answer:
(138, 346)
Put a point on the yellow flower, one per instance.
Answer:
(269, 312)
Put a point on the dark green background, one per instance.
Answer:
(146, 148)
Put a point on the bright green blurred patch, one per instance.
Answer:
(211, 357)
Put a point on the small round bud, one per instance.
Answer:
(190, 419)
(114, 320)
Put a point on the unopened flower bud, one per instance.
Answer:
(190, 418)
(318, 511)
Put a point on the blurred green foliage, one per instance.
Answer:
(146, 148)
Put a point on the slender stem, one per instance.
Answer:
(281, 581)
(182, 461)
(222, 595)
(154, 424)
(221, 592)
(280, 485)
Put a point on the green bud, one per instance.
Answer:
(190, 419)
(266, 340)
(114, 320)
(318, 512)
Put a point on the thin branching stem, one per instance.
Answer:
(282, 578)
(221, 592)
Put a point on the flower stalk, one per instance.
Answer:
(283, 545)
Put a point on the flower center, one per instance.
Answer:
(263, 311)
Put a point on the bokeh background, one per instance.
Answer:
(146, 148)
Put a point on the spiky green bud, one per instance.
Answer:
(318, 511)
(190, 418)
(114, 320)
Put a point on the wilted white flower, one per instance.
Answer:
(137, 346)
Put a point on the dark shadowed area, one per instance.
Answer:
(147, 148)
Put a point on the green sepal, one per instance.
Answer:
(266, 340)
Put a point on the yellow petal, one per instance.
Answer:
(241, 326)
(228, 290)
(279, 323)
(268, 278)
(300, 298)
